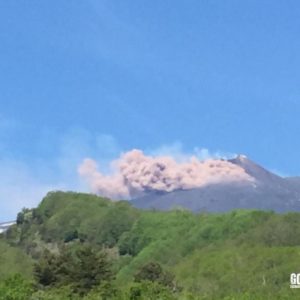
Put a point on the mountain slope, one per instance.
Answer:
(268, 191)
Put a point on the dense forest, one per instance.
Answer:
(81, 246)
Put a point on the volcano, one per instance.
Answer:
(267, 191)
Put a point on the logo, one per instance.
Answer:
(295, 281)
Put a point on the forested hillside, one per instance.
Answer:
(80, 246)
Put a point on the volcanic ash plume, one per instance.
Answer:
(135, 173)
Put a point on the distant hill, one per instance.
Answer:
(268, 192)
(4, 226)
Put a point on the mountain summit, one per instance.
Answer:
(267, 191)
(259, 173)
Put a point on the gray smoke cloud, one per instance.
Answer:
(134, 173)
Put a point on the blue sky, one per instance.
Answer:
(94, 78)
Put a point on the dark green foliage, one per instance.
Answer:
(71, 235)
(48, 268)
(153, 272)
(24, 216)
(81, 268)
(20, 218)
(90, 269)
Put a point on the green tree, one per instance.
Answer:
(83, 269)
(153, 272)
(46, 269)
(90, 269)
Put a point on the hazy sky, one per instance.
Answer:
(94, 78)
